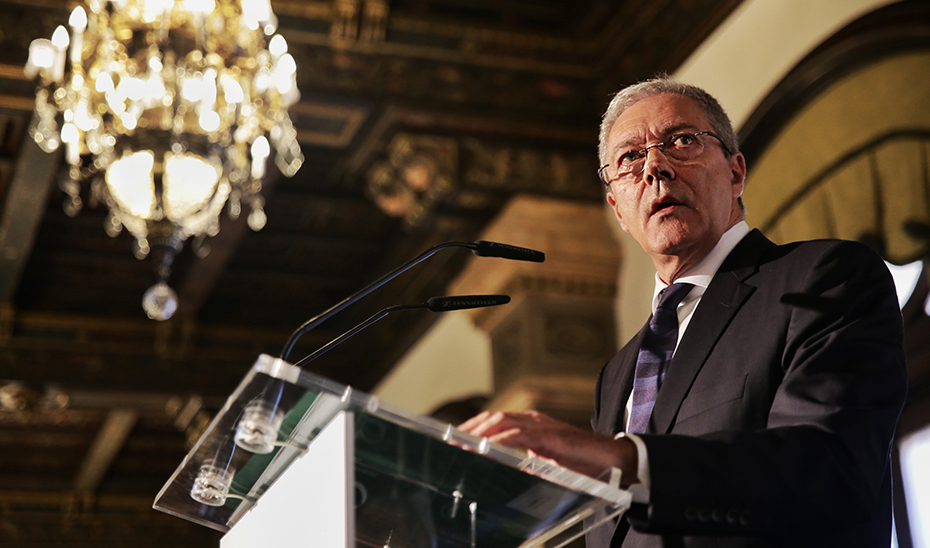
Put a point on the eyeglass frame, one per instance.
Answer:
(661, 146)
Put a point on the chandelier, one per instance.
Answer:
(169, 112)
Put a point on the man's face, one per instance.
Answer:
(674, 209)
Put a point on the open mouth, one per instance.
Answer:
(664, 205)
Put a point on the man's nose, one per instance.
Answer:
(657, 167)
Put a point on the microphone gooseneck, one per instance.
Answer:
(480, 248)
(435, 304)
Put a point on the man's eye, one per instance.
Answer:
(683, 140)
(628, 158)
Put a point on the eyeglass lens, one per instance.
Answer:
(681, 147)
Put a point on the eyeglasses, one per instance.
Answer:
(680, 146)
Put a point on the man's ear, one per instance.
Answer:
(738, 172)
(613, 205)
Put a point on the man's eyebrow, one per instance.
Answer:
(678, 127)
(621, 146)
(630, 142)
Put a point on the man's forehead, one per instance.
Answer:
(657, 116)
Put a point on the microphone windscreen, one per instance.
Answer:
(505, 251)
(444, 304)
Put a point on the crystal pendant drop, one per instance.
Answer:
(160, 302)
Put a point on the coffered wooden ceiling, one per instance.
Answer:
(96, 401)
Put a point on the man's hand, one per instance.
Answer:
(579, 450)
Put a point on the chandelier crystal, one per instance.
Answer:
(170, 111)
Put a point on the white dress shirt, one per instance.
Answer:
(700, 275)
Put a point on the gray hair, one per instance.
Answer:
(627, 97)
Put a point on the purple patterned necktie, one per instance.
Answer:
(655, 354)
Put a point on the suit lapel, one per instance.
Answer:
(611, 416)
(723, 298)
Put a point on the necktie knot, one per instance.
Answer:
(672, 295)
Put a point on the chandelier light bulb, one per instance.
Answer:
(129, 120)
(277, 46)
(260, 151)
(60, 38)
(287, 65)
(155, 64)
(260, 148)
(71, 137)
(192, 89)
(262, 79)
(83, 120)
(209, 121)
(78, 19)
(232, 91)
(41, 57)
(208, 90)
(104, 83)
(255, 12)
(116, 102)
(189, 183)
(131, 184)
(69, 133)
(154, 88)
(132, 88)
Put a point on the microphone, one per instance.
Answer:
(444, 304)
(480, 248)
(435, 304)
(505, 251)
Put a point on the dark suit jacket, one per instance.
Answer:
(774, 424)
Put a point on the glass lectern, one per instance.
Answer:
(294, 459)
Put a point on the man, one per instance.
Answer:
(771, 422)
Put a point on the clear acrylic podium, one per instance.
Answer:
(294, 459)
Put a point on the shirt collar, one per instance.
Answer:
(701, 274)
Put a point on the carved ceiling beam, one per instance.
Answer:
(24, 405)
(17, 103)
(361, 27)
(323, 11)
(22, 212)
(32, 518)
(327, 125)
(84, 351)
(537, 63)
(13, 72)
(110, 439)
(623, 29)
(394, 118)
(33, 499)
(648, 36)
(422, 178)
